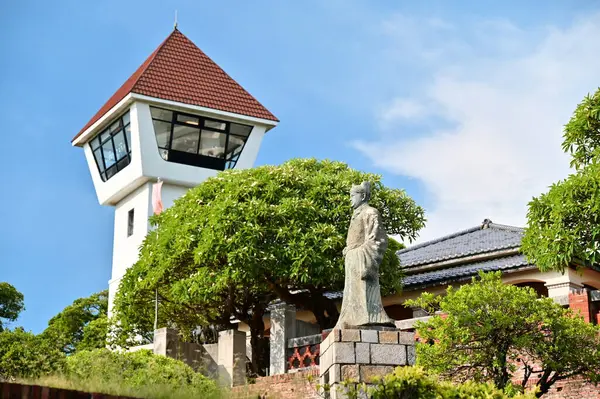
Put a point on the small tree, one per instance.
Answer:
(230, 246)
(489, 329)
(24, 355)
(563, 225)
(11, 303)
(81, 325)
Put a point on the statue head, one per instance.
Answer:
(360, 194)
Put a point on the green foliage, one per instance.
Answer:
(582, 133)
(490, 329)
(413, 382)
(245, 237)
(563, 224)
(81, 325)
(23, 354)
(140, 373)
(11, 303)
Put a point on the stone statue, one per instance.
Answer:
(365, 245)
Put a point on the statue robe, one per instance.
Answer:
(365, 245)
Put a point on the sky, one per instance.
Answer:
(461, 104)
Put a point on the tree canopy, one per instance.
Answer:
(563, 225)
(81, 325)
(488, 330)
(11, 304)
(230, 246)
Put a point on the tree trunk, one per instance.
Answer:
(259, 358)
(323, 308)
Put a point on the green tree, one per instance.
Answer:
(563, 225)
(230, 246)
(489, 330)
(11, 304)
(81, 325)
(24, 355)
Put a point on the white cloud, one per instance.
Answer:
(399, 109)
(505, 106)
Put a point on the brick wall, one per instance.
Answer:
(580, 302)
(282, 386)
(21, 391)
(573, 389)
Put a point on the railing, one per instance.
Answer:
(303, 352)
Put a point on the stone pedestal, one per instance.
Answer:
(232, 357)
(361, 354)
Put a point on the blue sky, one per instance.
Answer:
(461, 104)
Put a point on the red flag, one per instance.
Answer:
(157, 204)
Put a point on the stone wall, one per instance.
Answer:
(281, 386)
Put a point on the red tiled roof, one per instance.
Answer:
(179, 71)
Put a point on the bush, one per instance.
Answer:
(140, 374)
(414, 383)
(25, 355)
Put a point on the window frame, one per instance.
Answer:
(196, 159)
(110, 139)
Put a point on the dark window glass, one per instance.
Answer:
(130, 216)
(212, 144)
(234, 146)
(98, 156)
(109, 154)
(112, 147)
(240, 130)
(215, 124)
(188, 120)
(120, 146)
(161, 114)
(185, 138)
(162, 130)
(180, 140)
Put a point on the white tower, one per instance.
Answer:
(179, 118)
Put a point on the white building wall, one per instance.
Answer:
(131, 188)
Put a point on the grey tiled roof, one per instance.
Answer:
(465, 271)
(473, 241)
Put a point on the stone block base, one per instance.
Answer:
(360, 355)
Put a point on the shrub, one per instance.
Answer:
(139, 373)
(25, 355)
(414, 383)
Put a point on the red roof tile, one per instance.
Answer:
(179, 71)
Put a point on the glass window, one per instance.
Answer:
(240, 130)
(162, 130)
(188, 120)
(98, 156)
(234, 146)
(115, 126)
(215, 124)
(112, 150)
(120, 146)
(212, 144)
(162, 114)
(109, 154)
(179, 139)
(185, 138)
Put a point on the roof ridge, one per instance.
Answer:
(440, 239)
(222, 70)
(507, 227)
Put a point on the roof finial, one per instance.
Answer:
(486, 223)
(175, 26)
